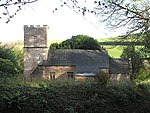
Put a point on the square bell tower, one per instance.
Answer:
(35, 47)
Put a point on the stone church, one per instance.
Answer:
(39, 61)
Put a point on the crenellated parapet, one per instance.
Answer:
(35, 35)
(36, 26)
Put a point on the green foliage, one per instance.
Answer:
(54, 46)
(143, 75)
(77, 42)
(146, 40)
(6, 66)
(12, 57)
(73, 97)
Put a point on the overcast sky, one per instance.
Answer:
(62, 24)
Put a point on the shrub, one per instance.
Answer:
(14, 55)
(7, 67)
(143, 75)
(84, 97)
(102, 77)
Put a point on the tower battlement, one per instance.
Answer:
(36, 26)
(35, 35)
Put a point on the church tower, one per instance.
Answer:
(35, 47)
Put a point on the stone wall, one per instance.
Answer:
(60, 71)
(32, 58)
(120, 77)
(84, 78)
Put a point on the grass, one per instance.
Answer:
(114, 51)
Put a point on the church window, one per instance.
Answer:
(52, 75)
(70, 74)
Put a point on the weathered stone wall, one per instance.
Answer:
(84, 78)
(35, 47)
(60, 71)
(120, 77)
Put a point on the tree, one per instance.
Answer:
(132, 15)
(77, 42)
(121, 13)
(6, 7)
(118, 13)
(136, 58)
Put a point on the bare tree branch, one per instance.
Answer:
(17, 4)
(11, 2)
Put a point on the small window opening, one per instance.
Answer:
(52, 75)
(40, 60)
(70, 74)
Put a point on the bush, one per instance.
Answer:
(102, 77)
(79, 97)
(143, 75)
(7, 67)
(13, 55)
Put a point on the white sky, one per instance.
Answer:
(63, 24)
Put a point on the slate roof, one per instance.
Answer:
(84, 60)
(118, 65)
